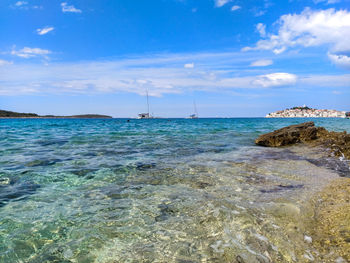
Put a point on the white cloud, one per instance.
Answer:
(340, 60)
(21, 3)
(28, 52)
(189, 65)
(261, 28)
(261, 63)
(328, 2)
(308, 29)
(5, 62)
(45, 30)
(69, 8)
(220, 3)
(235, 7)
(275, 80)
(24, 5)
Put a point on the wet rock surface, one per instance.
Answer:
(334, 164)
(337, 142)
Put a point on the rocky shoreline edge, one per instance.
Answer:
(331, 206)
(336, 143)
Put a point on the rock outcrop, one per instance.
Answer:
(337, 142)
(289, 135)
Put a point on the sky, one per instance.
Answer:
(234, 58)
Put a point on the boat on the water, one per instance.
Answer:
(146, 115)
(195, 114)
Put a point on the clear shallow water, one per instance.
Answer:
(156, 191)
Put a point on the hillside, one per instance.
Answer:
(11, 114)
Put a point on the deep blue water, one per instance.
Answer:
(160, 190)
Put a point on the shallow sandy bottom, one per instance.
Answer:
(331, 233)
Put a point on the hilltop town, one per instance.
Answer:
(305, 112)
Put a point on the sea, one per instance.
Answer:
(158, 190)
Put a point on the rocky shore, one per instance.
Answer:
(329, 224)
(337, 143)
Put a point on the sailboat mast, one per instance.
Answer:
(195, 108)
(147, 103)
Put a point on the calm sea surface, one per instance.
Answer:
(74, 190)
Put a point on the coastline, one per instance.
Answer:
(64, 117)
(4, 114)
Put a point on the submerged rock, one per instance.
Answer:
(145, 166)
(13, 189)
(286, 210)
(41, 163)
(83, 172)
(281, 187)
(334, 164)
(337, 142)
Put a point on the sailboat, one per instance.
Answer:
(195, 114)
(146, 115)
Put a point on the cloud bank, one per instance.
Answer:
(309, 29)
(28, 52)
(160, 74)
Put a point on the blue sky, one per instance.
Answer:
(234, 58)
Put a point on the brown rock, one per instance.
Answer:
(337, 142)
(289, 135)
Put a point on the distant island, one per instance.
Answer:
(306, 112)
(12, 114)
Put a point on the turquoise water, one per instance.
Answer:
(74, 190)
